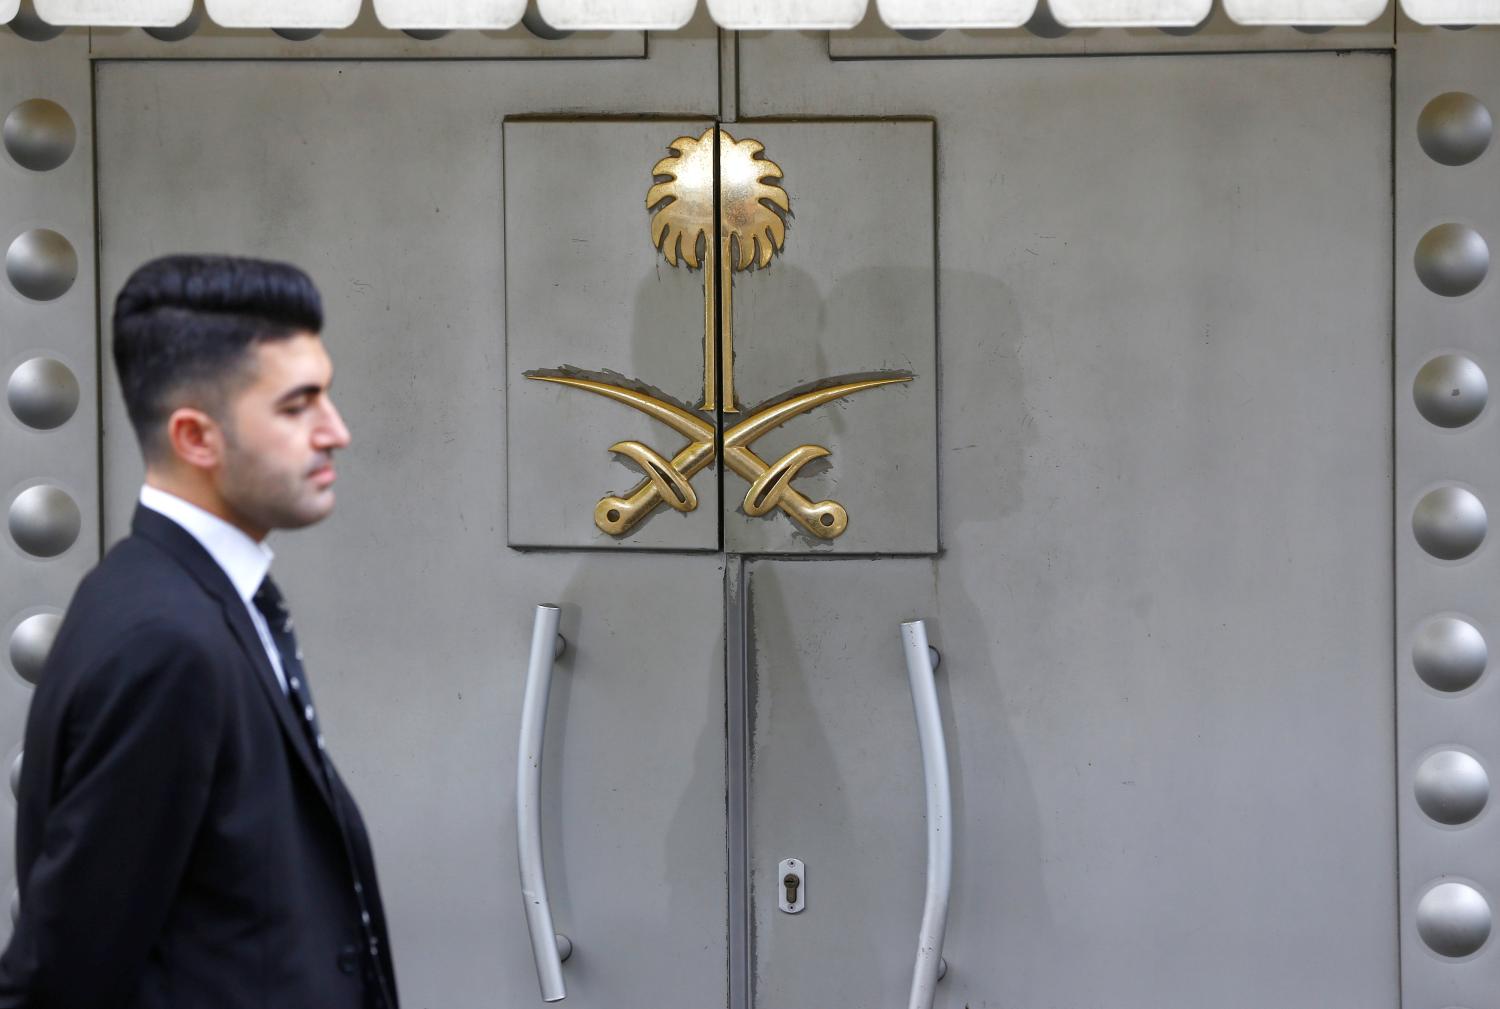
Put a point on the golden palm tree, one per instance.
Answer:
(753, 208)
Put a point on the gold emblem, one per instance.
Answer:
(752, 206)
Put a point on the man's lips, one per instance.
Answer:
(323, 475)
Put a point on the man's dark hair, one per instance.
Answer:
(189, 322)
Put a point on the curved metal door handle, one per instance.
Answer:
(548, 948)
(921, 665)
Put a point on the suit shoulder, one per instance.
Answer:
(140, 610)
(138, 585)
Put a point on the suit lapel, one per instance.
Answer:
(179, 544)
(249, 639)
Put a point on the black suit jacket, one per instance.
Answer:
(176, 842)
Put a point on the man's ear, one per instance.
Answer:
(195, 438)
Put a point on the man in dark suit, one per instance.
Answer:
(182, 837)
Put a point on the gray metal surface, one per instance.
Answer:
(1451, 390)
(584, 288)
(1453, 919)
(738, 706)
(1455, 128)
(42, 393)
(1043, 36)
(29, 26)
(1447, 607)
(365, 39)
(1449, 653)
(414, 614)
(546, 943)
(33, 451)
(30, 642)
(1166, 434)
(39, 134)
(1452, 259)
(1449, 523)
(44, 520)
(793, 887)
(1165, 595)
(41, 264)
(851, 293)
(922, 662)
(1451, 786)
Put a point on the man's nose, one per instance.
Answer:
(332, 433)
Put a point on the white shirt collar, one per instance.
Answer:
(245, 561)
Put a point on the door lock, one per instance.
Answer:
(792, 885)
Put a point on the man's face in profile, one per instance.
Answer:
(281, 429)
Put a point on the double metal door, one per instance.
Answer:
(1156, 558)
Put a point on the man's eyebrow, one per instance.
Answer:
(310, 389)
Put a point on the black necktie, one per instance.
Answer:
(272, 606)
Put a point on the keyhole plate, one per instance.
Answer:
(791, 867)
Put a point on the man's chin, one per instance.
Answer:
(308, 514)
(321, 507)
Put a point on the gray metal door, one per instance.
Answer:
(417, 614)
(1165, 592)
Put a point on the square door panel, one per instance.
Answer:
(587, 295)
(850, 296)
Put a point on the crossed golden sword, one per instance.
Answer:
(682, 204)
(669, 481)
